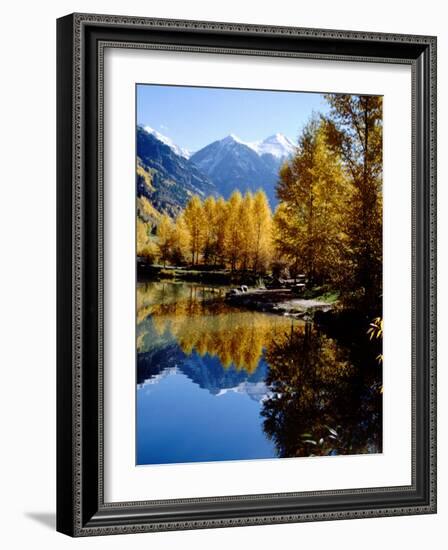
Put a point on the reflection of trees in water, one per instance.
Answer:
(321, 402)
(151, 295)
(323, 393)
(211, 327)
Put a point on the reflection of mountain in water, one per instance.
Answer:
(312, 392)
(257, 391)
(180, 318)
(205, 371)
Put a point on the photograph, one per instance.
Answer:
(259, 274)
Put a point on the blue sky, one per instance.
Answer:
(194, 117)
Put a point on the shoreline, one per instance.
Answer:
(279, 301)
(147, 272)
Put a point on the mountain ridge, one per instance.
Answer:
(233, 164)
(168, 141)
(174, 179)
(217, 169)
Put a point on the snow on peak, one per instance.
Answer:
(168, 141)
(233, 138)
(257, 391)
(277, 145)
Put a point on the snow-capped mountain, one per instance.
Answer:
(205, 371)
(258, 391)
(218, 168)
(168, 141)
(174, 179)
(232, 163)
(278, 145)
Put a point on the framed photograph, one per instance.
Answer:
(246, 274)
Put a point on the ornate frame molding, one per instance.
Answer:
(81, 42)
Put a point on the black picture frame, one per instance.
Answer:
(81, 510)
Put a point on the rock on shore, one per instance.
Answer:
(279, 301)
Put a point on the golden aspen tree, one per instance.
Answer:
(246, 231)
(165, 238)
(355, 129)
(310, 223)
(262, 232)
(221, 214)
(286, 229)
(194, 219)
(180, 241)
(145, 245)
(209, 230)
(142, 236)
(233, 230)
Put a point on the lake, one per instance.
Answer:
(216, 382)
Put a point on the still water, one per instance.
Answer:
(216, 382)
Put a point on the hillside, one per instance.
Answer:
(165, 178)
(234, 164)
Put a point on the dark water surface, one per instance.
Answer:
(219, 383)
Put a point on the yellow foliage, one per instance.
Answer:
(236, 337)
(145, 245)
(236, 233)
(310, 222)
(165, 233)
(233, 231)
(146, 211)
(195, 223)
(146, 176)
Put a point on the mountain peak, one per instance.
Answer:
(279, 138)
(233, 138)
(168, 141)
(277, 145)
